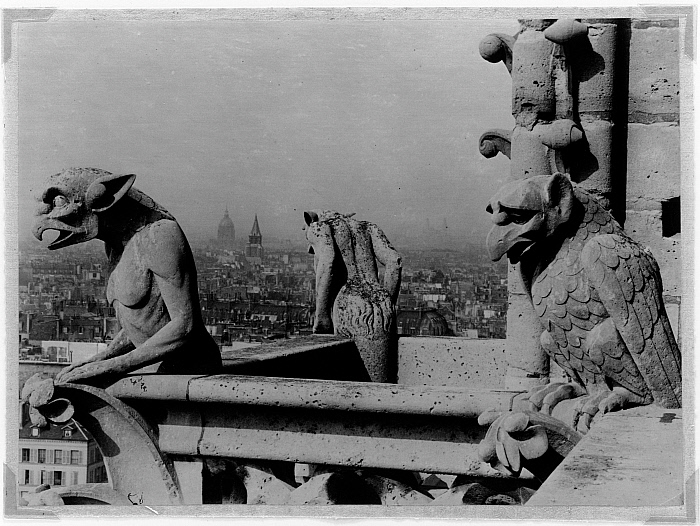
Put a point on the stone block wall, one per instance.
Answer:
(653, 185)
(454, 362)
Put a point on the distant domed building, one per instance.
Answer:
(226, 235)
(422, 322)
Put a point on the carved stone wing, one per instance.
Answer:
(628, 281)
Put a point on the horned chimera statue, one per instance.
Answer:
(598, 294)
(152, 283)
(350, 301)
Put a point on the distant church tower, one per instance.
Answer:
(226, 235)
(254, 248)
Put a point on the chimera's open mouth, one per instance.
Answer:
(63, 235)
(64, 238)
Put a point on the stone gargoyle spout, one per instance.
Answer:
(152, 284)
(598, 294)
(350, 300)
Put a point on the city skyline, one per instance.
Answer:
(272, 118)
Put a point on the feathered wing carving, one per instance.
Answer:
(627, 280)
(598, 295)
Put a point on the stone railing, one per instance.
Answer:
(291, 438)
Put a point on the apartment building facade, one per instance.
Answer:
(57, 456)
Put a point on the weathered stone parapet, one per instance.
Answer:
(391, 427)
(135, 463)
(85, 494)
(181, 439)
(300, 357)
(451, 361)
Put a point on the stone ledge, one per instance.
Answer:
(629, 458)
(643, 23)
(323, 357)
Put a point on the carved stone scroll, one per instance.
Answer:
(494, 141)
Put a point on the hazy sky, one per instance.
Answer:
(380, 118)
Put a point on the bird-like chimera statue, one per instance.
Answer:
(597, 292)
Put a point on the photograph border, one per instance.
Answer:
(12, 18)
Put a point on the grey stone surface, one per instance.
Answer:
(629, 458)
(654, 83)
(343, 487)
(654, 168)
(300, 357)
(127, 442)
(595, 70)
(524, 441)
(262, 486)
(456, 362)
(395, 493)
(343, 396)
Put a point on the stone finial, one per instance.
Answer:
(350, 300)
(559, 134)
(565, 30)
(498, 47)
(494, 141)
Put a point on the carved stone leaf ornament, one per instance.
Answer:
(43, 408)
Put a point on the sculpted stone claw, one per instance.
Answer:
(546, 398)
(152, 284)
(350, 300)
(596, 291)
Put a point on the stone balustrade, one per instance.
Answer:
(165, 438)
